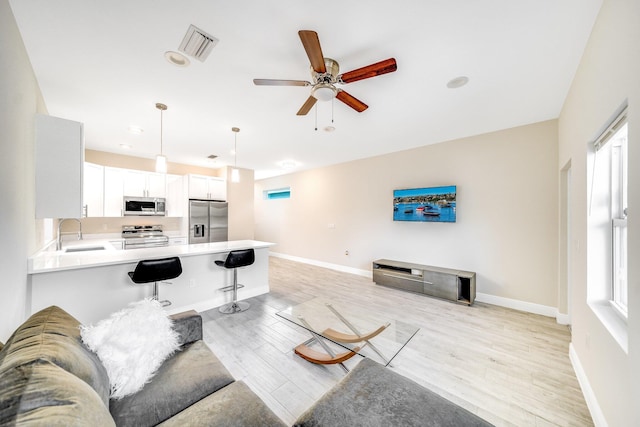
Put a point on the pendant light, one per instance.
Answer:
(235, 173)
(161, 159)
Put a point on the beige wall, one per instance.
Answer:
(20, 232)
(139, 163)
(506, 229)
(607, 76)
(240, 198)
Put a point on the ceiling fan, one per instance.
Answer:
(324, 73)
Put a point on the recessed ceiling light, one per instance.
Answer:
(288, 164)
(458, 82)
(176, 58)
(136, 130)
(125, 146)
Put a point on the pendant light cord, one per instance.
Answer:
(161, 132)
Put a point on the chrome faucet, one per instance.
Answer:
(59, 239)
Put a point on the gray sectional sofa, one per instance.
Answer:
(49, 378)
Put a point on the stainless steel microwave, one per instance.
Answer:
(148, 206)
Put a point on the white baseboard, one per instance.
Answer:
(529, 307)
(337, 267)
(515, 304)
(587, 391)
(563, 319)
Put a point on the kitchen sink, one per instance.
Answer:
(85, 248)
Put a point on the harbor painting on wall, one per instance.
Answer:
(429, 204)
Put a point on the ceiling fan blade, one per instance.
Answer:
(308, 104)
(311, 45)
(377, 69)
(351, 101)
(275, 82)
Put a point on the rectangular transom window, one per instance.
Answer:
(278, 193)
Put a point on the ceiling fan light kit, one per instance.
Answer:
(325, 76)
(324, 92)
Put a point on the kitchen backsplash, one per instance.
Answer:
(114, 225)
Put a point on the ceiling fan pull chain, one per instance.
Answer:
(332, 104)
(316, 117)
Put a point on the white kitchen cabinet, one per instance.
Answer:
(93, 190)
(207, 187)
(59, 158)
(113, 191)
(144, 184)
(176, 196)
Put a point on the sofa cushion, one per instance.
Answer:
(188, 325)
(234, 405)
(182, 380)
(372, 395)
(132, 343)
(40, 393)
(53, 334)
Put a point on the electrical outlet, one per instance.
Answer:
(192, 283)
(346, 252)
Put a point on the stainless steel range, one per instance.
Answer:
(143, 236)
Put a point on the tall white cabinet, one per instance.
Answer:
(93, 190)
(113, 191)
(59, 158)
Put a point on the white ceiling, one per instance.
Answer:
(102, 63)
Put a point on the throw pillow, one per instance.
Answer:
(132, 344)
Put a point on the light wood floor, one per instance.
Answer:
(509, 367)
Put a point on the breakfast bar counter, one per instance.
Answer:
(91, 284)
(49, 260)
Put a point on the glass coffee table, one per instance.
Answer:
(339, 331)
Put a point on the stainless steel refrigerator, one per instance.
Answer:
(208, 221)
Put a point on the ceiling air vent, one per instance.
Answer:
(197, 43)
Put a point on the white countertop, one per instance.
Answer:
(49, 261)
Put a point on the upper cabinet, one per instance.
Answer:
(144, 184)
(59, 158)
(105, 188)
(113, 191)
(93, 191)
(176, 196)
(207, 187)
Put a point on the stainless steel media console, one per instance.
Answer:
(454, 285)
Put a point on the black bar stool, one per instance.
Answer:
(156, 270)
(235, 260)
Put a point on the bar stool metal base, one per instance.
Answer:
(234, 307)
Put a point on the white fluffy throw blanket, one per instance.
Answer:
(132, 344)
